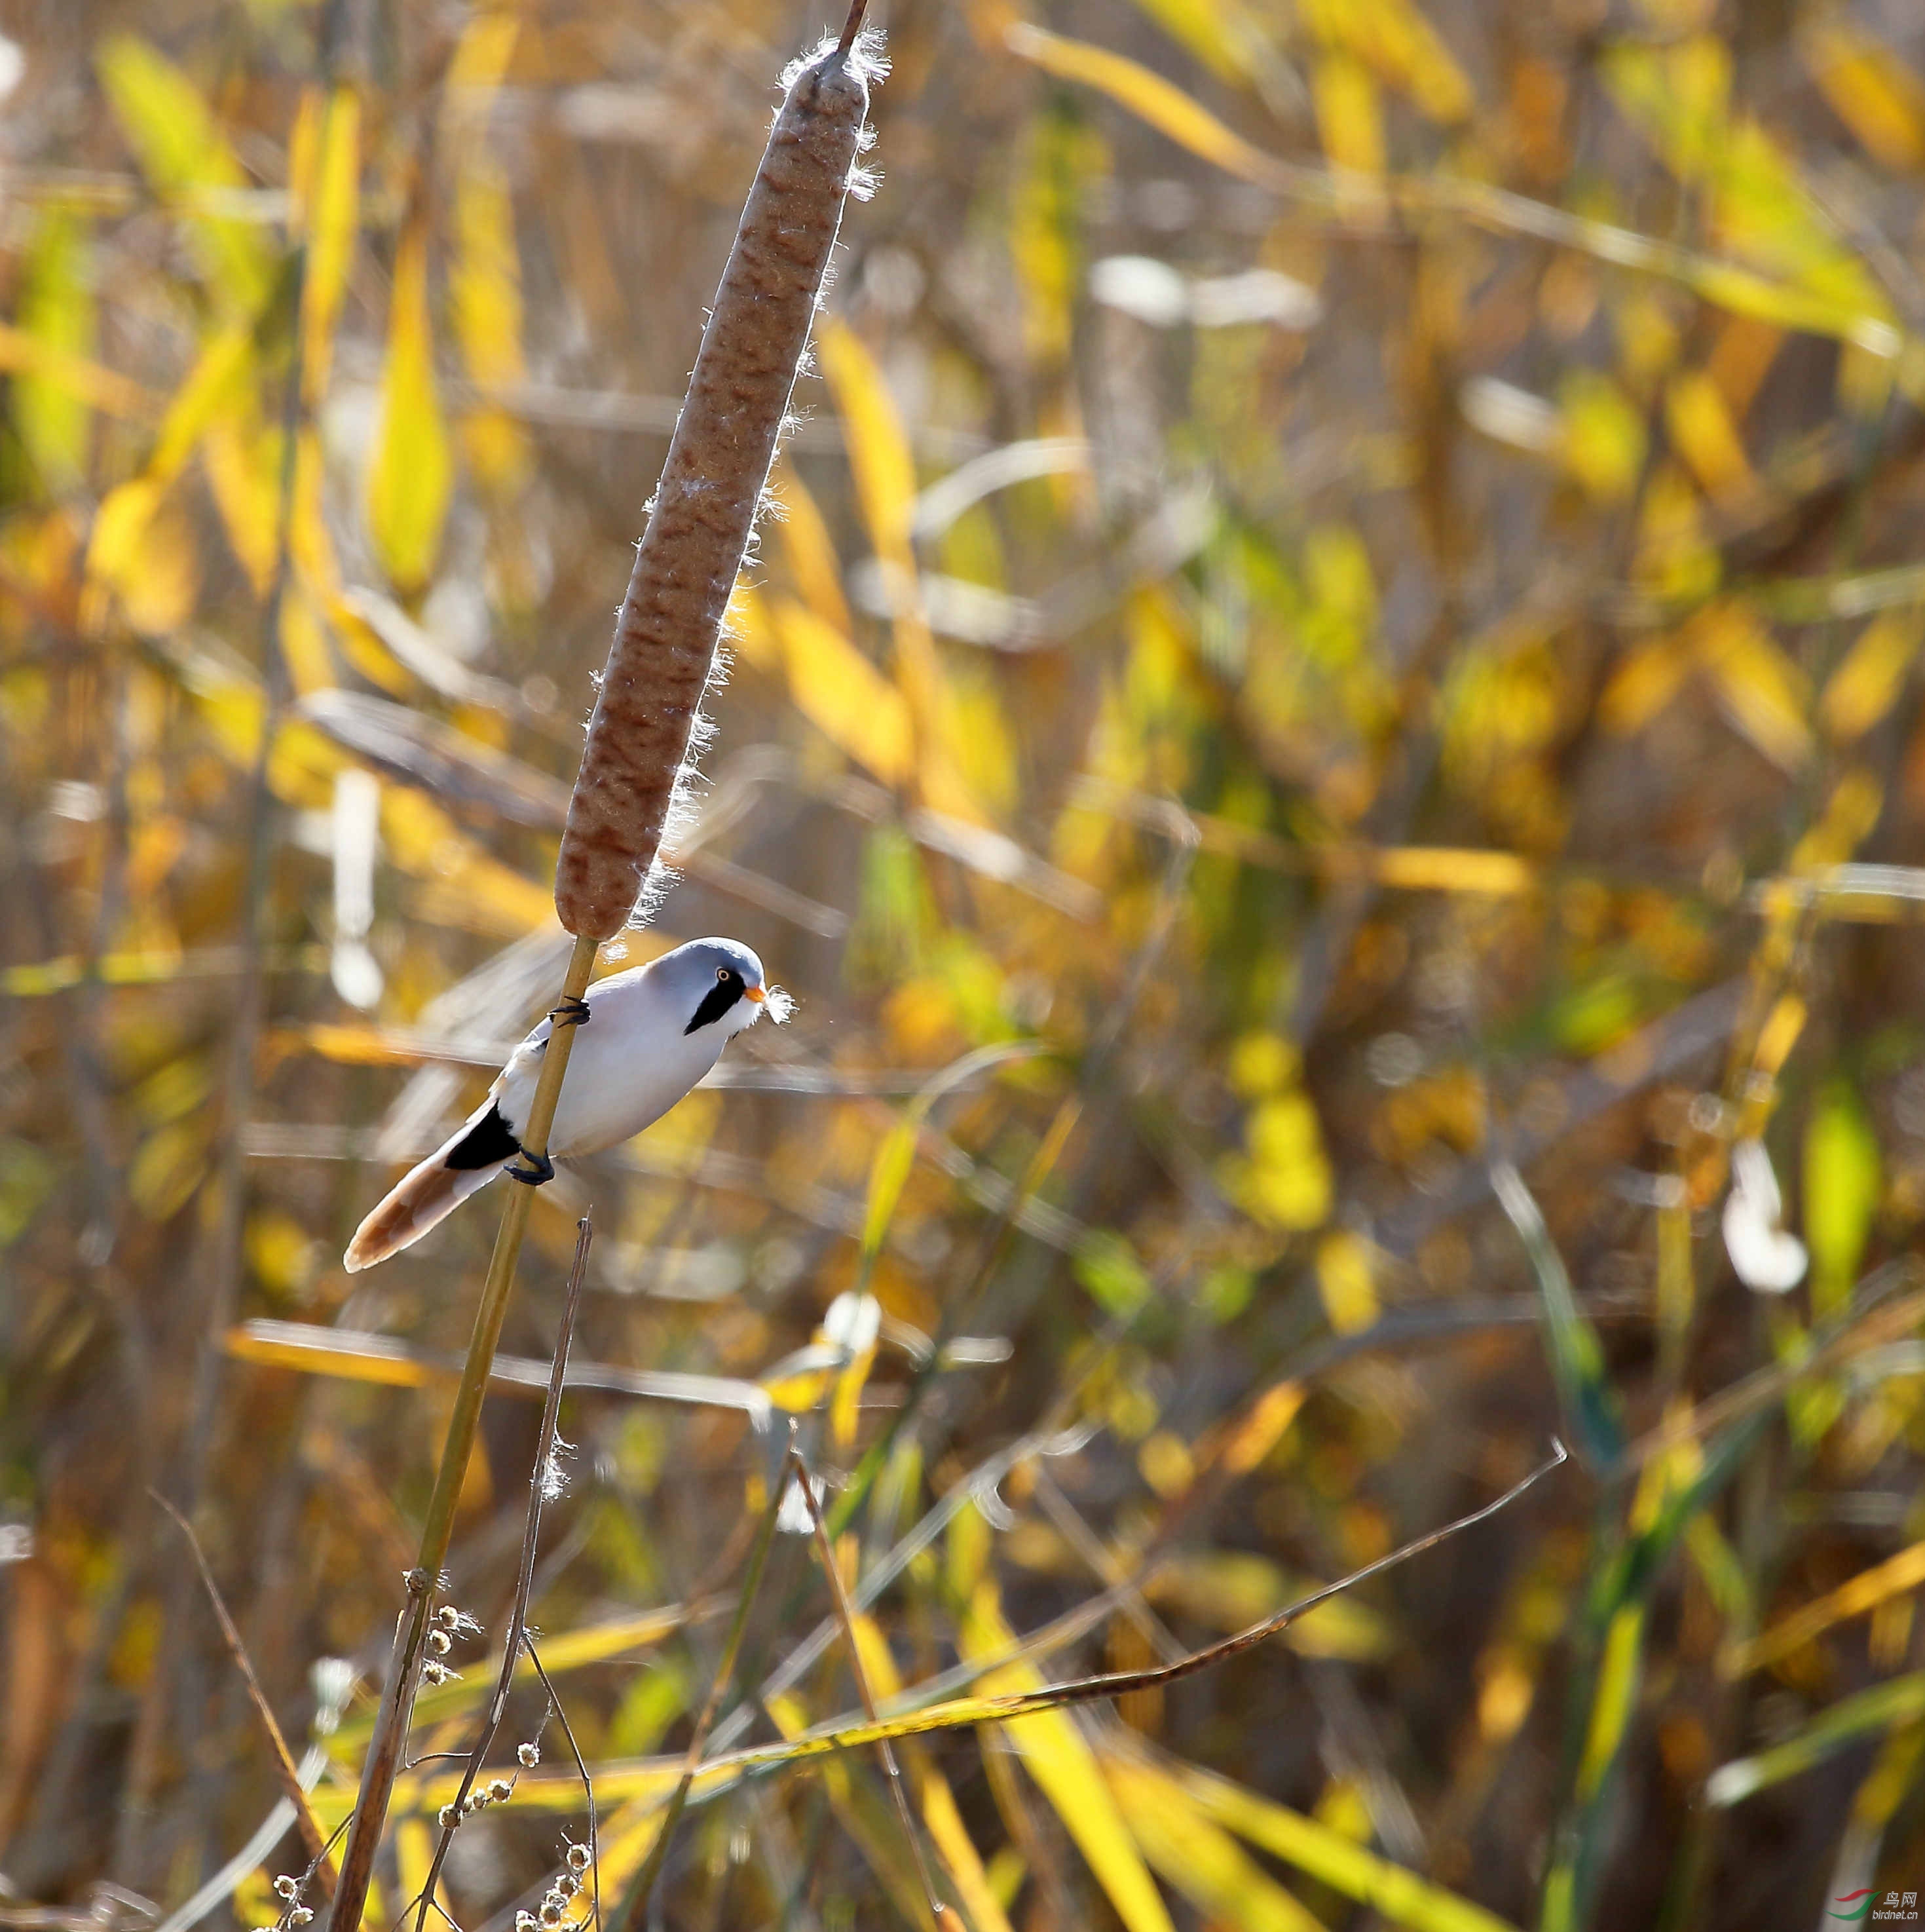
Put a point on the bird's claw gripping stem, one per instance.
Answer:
(539, 1170)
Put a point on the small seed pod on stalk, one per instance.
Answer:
(647, 719)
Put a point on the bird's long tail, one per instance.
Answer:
(430, 1192)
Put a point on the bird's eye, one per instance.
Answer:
(722, 974)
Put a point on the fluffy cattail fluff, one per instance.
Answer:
(647, 724)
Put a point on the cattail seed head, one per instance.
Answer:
(530, 1755)
(648, 712)
(439, 1642)
(578, 1858)
(285, 1887)
(301, 1916)
(450, 1816)
(551, 1912)
(500, 1791)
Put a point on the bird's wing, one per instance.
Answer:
(513, 1088)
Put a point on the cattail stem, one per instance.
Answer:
(424, 1581)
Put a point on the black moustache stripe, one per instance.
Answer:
(722, 995)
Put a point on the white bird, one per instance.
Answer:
(649, 1035)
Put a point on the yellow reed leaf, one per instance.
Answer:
(484, 278)
(484, 291)
(1680, 97)
(1868, 85)
(182, 151)
(845, 1402)
(24, 354)
(957, 1850)
(1704, 434)
(879, 454)
(1843, 1185)
(328, 200)
(304, 644)
(363, 648)
(807, 549)
(217, 384)
(1603, 440)
(1614, 1697)
(120, 528)
(143, 555)
(1063, 157)
(414, 1858)
(55, 313)
(1346, 1281)
(1779, 1034)
(468, 888)
(1197, 1856)
(940, 1816)
(1399, 46)
(598, 1642)
(1248, 1442)
(1399, 1897)
(1413, 58)
(1221, 33)
(1768, 696)
(480, 59)
(243, 475)
(1350, 118)
(308, 541)
(843, 695)
(348, 1045)
(1151, 98)
(1895, 1577)
(1850, 813)
(748, 629)
(1053, 1753)
(1648, 678)
(411, 478)
(1862, 689)
(169, 1165)
(1452, 868)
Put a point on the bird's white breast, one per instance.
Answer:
(630, 1062)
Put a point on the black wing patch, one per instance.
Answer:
(487, 1142)
(722, 995)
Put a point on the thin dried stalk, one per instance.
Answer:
(968, 1712)
(634, 1911)
(424, 1581)
(538, 1491)
(312, 1837)
(648, 713)
(885, 1750)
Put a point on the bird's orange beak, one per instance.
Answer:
(756, 993)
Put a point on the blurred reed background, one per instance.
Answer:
(1336, 670)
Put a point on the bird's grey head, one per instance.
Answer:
(720, 983)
